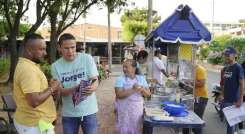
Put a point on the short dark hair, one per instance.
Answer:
(32, 36)
(66, 36)
(157, 52)
(142, 54)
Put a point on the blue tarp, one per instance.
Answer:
(182, 26)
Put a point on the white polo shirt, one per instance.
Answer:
(157, 66)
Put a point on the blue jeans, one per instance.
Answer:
(88, 123)
(230, 129)
(199, 108)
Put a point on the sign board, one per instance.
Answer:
(234, 114)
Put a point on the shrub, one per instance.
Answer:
(215, 57)
(46, 68)
(216, 60)
(204, 53)
(4, 65)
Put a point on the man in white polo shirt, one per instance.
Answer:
(158, 68)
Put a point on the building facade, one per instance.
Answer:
(234, 29)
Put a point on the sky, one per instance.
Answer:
(224, 11)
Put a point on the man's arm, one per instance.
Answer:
(67, 91)
(164, 72)
(92, 88)
(37, 98)
(241, 88)
(200, 83)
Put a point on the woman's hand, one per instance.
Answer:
(137, 87)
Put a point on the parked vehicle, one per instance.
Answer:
(216, 90)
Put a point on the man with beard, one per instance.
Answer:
(32, 93)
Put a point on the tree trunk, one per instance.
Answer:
(14, 55)
(52, 47)
(53, 39)
(109, 39)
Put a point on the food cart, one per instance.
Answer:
(178, 38)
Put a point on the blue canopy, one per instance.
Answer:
(182, 26)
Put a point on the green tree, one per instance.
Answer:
(242, 21)
(63, 14)
(237, 43)
(12, 12)
(112, 5)
(204, 51)
(135, 22)
(222, 39)
(23, 29)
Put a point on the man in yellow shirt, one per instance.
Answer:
(32, 94)
(200, 93)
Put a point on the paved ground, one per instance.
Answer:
(213, 123)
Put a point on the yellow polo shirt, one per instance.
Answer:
(201, 75)
(28, 78)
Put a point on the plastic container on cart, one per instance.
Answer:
(175, 109)
(188, 100)
(159, 98)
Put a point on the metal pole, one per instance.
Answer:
(109, 39)
(149, 21)
(84, 34)
(212, 26)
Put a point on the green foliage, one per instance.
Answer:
(4, 65)
(237, 43)
(215, 46)
(218, 45)
(101, 73)
(23, 28)
(3, 29)
(46, 68)
(216, 60)
(242, 20)
(131, 28)
(204, 51)
(135, 22)
(113, 5)
(222, 39)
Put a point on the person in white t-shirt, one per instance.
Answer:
(158, 68)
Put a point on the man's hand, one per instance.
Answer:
(55, 85)
(238, 103)
(220, 98)
(89, 90)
